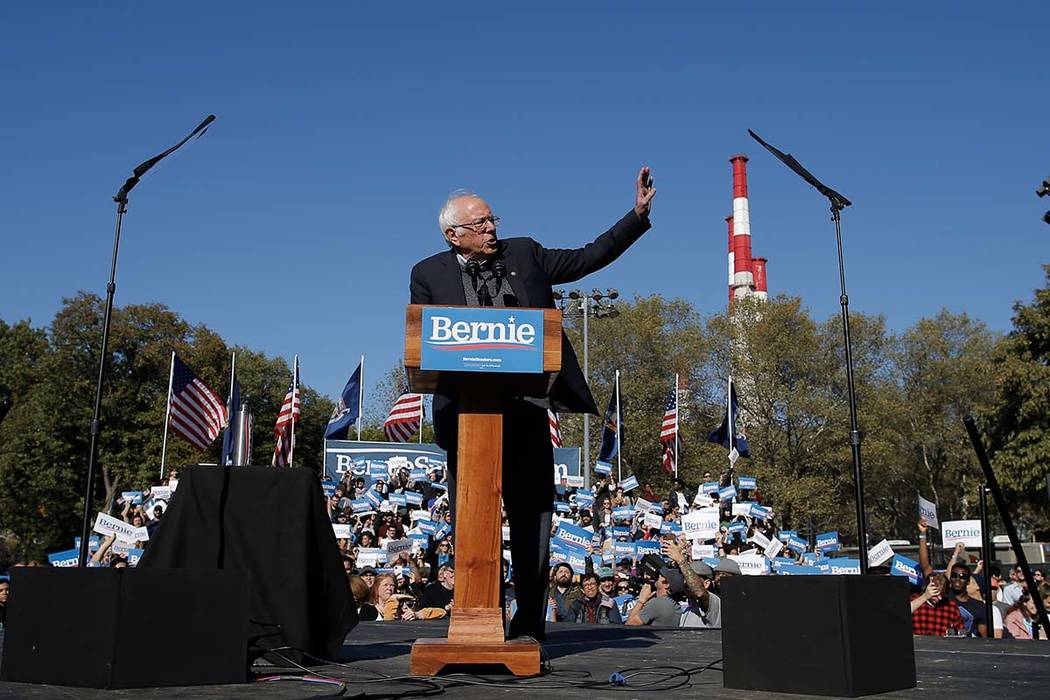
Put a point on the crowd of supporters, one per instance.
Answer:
(638, 565)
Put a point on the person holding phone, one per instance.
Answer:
(481, 269)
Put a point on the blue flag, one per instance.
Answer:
(230, 435)
(347, 410)
(612, 428)
(727, 434)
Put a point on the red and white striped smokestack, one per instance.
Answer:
(758, 268)
(729, 220)
(743, 279)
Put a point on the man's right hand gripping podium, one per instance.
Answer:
(489, 369)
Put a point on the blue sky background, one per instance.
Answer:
(291, 226)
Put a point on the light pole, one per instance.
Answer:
(577, 304)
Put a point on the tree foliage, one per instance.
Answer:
(50, 375)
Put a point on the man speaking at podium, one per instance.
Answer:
(482, 270)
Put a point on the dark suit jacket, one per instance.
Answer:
(532, 270)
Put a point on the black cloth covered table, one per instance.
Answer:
(270, 523)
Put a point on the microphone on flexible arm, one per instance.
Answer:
(473, 269)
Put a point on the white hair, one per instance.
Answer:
(447, 215)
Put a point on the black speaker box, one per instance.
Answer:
(820, 635)
(126, 628)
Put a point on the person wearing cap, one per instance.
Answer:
(726, 567)
(592, 607)
(705, 607)
(656, 602)
(607, 581)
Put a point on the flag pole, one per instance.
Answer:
(677, 408)
(295, 391)
(619, 429)
(360, 397)
(730, 421)
(229, 418)
(167, 417)
(420, 419)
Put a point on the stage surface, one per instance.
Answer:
(959, 669)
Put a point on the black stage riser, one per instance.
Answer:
(126, 628)
(822, 635)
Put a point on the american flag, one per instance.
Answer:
(196, 412)
(669, 432)
(284, 430)
(555, 428)
(404, 418)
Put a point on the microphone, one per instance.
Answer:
(499, 270)
(473, 269)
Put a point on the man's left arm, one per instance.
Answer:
(568, 265)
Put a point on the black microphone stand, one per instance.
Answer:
(121, 198)
(838, 203)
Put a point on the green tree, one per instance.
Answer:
(1019, 420)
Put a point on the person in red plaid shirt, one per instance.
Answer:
(933, 612)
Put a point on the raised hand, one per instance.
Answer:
(643, 193)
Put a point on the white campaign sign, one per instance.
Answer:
(750, 564)
(928, 510)
(419, 514)
(108, 525)
(743, 508)
(160, 492)
(341, 530)
(652, 521)
(395, 547)
(760, 539)
(699, 551)
(880, 553)
(966, 531)
(701, 524)
(772, 549)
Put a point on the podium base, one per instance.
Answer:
(521, 656)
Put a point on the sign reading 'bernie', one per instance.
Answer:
(482, 339)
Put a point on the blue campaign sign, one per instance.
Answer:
(841, 565)
(778, 562)
(623, 513)
(482, 339)
(760, 512)
(629, 483)
(328, 487)
(397, 499)
(378, 470)
(620, 531)
(903, 566)
(797, 570)
(422, 538)
(353, 457)
(134, 554)
(562, 507)
(134, 497)
(373, 497)
(647, 547)
(810, 557)
(668, 527)
(828, 541)
(413, 498)
(428, 527)
(711, 561)
(824, 566)
(727, 494)
(94, 542)
(601, 467)
(709, 487)
(785, 535)
(64, 559)
(573, 536)
(361, 505)
(796, 544)
(737, 526)
(624, 550)
(747, 483)
(567, 466)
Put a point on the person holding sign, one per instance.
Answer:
(934, 613)
(480, 269)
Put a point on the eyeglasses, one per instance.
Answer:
(478, 223)
(964, 577)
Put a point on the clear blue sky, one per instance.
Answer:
(291, 226)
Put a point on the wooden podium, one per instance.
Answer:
(475, 633)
